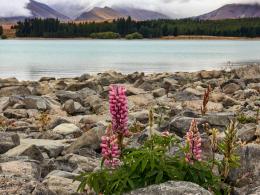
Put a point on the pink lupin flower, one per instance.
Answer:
(110, 150)
(118, 109)
(193, 139)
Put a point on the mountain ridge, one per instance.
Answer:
(233, 11)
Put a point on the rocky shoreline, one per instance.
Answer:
(50, 129)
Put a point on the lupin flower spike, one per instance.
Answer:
(110, 149)
(118, 109)
(193, 139)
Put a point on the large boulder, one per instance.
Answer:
(67, 129)
(21, 167)
(172, 188)
(35, 102)
(72, 107)
(29, 150)
(22, 185)
(249, 170)
(16, 113)
(90, 139)
(181, 124)
(61, 185)
(52, 147)
(14, 90)
(231, 88)
(8, 141)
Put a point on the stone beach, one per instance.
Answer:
(50, 130)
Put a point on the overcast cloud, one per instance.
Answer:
(182, 8)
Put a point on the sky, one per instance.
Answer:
(180, 8)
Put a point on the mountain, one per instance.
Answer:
(107, 13)
(233, 11)
(38, 10)
(100, 14)
(141, 14)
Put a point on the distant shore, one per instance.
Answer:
(182, 37)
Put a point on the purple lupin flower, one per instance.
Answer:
(118, 109)
(110, 150)
(193, 139)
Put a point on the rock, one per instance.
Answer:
(220, 118)
(94, 102)
(140, 100)
(158, 92)
(131, 90)
(35, 102)
(56, 120)
(247, 72)
(250, 92)
(8, 141)
(16, 113)
(29, 150)
(210, 74)
(4, 103)
(63, 96)
(185, 96)
(52, 147)
(72, 107)
(67, 129)
(199, 92)
(64, 174)
(83, 164)
(180, 124)
(254, 191)
(231, 88)
(14, 90)
(228, 101)
(255, 86)
(84, 77)
(22, 185)
(249, 169)
(170, 83)
(172, 188)
(90, 139)
(247, 132)
(196, 105)
(29, 168)
(47, 79)
(141, 116)
(61, 185)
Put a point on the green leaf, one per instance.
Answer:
(159, 177)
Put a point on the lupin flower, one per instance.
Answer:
(193, 139)
(110, 149)
(118, 109)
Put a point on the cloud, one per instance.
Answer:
(182, 8)
(13, 8)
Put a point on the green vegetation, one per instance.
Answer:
(249, 27)
(243, 119)
(105, 35)
(134, 35)
(3, 37)
(147, 165)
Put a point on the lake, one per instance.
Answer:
(32, 59)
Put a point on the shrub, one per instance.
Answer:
(147, 165)
(3, 37)
(135, 35)
(105, 35)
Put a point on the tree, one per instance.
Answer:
(1, 30)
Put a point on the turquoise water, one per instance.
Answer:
(32, 59)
